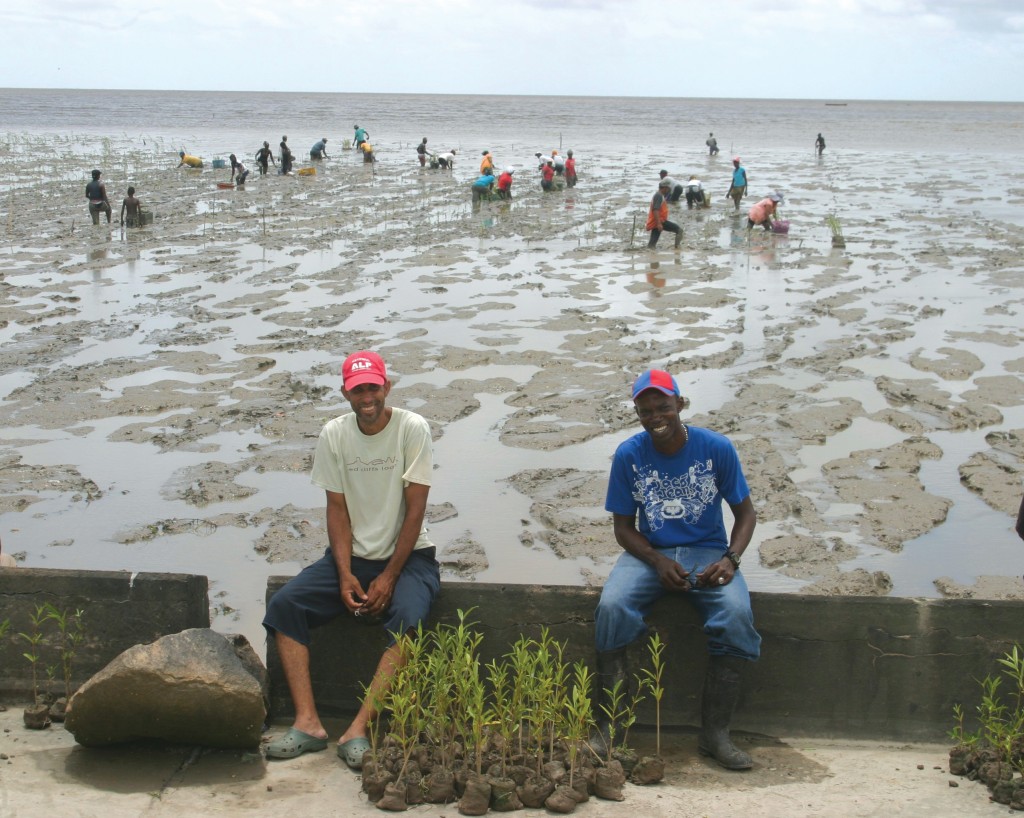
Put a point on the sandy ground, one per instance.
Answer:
(44, 773)
(163, 387)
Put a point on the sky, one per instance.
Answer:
(969, 50)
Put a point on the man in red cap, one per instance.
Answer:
(665, 495)
(375, 465)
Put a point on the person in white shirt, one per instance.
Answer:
(375, 465)
(694, 193)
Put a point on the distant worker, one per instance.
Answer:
(286, 156)
(319, 150)
(570, 170)
(547, 176)
(712, 144)
(482, 187)
(96, 193)
(675, 190)
(360, 136)
(694, 193)
(738, 188)
(367, 150)
(763, 211)
(190, 161)
(263, 157)
(657, 219)
(132, 208)
(421, 152)
(505, 184)
(819, 144)
(487, 163)
(542, 160)
(238, 171)
(447, 160)
(558, 163)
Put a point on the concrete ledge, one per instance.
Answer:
(120, 610)
(854, 667)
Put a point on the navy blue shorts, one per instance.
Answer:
(313, 597)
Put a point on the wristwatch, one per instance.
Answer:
(734, 558)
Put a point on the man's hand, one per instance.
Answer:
(352, 594)
(673, 576)
(378, 598)
(717, 573)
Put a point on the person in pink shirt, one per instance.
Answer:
(763, 211)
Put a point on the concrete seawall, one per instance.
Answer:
(119, 610)
(849, 667)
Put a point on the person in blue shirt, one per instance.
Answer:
(319, 150)
(738, 188)
(360, 136)
(665, 495)
(482, 186)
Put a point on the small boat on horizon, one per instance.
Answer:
(836, 104)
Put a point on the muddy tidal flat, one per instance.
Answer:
(162, 388)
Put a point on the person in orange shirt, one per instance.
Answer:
(657, 218)
(763, 211)
(487, 164)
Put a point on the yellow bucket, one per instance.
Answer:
(306, 171)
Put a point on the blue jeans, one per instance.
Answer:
(633, 588)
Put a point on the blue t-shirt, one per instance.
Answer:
(677, 500)
(318, 147)
(484, 181)
(739, 177)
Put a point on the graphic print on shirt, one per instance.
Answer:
(684, 497)
(379, 464)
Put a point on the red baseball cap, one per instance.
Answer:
(363, 367)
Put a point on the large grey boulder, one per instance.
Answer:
(194, 687)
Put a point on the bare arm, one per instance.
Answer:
(378, 595)
(1020, 520)
(339, 535)
(739, 538)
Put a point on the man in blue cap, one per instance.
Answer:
(665, 495)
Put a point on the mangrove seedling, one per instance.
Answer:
(71, 632)
(652, 677)
(35, 641)
(578, 717)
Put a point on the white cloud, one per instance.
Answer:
(796, 48)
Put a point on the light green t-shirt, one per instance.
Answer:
(372, 472)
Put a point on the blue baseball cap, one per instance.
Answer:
(656, 379)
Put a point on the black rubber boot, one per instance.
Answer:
(721, 693)
(611, 668)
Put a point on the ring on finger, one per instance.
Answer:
(721, 580)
